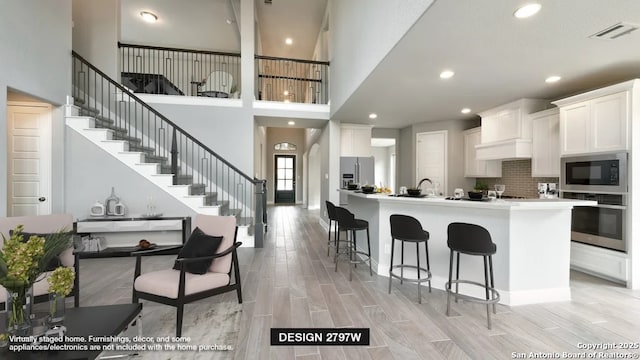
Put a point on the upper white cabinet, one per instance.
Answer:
(506, 130)
(597, 121)
(545, 149)
(355, 140)
(474, 167)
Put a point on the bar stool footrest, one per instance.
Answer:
(494, 297)
(410, 280)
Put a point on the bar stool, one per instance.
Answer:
(348, 223)
(408, 229)
(331, 213)
(475, 240)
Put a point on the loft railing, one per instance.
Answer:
(173, 71)
(162, 141)
(292, 80)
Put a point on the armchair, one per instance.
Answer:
(179, 287)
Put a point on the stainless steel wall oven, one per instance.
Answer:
(603, 225)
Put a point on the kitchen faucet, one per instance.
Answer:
(423, 180)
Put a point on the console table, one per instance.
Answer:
(122, 234)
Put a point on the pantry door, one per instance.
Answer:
(29, 158)
(431, 159)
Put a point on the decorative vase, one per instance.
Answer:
(110, 203)
(56, 308)
(19, 303)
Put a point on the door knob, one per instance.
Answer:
(42, 199)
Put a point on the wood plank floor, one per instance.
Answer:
(291, 283)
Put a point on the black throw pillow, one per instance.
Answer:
(55, 262)
(198, 245)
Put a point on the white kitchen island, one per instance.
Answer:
(532, 238)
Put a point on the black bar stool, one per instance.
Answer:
(475, 240)
(408, 229)
(333, 219)
(348, 223)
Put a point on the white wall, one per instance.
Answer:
(314, 178)
(91, 172)
(96, 31)
(362, 33)
(329, 143)
(226, 130)
(36, 60)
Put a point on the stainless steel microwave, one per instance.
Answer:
(606, 173)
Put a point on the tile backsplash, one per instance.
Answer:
(516, 176)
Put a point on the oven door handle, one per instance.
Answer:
(615, 207)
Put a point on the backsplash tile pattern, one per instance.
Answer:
(516, 176)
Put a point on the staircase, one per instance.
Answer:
(115, 120)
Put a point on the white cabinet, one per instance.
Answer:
(509, 121)
(355, 140)
(545, 149)
(474, 167)
(609, 264)
(596, 125)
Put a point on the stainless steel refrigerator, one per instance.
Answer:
(359, 170)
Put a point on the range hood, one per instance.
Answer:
(513, 149)
(507, 130)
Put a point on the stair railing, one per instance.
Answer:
(177, 153)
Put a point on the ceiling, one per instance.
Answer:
(496, 59)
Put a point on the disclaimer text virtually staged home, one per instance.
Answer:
(296, 179)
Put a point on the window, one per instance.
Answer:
(285, 146)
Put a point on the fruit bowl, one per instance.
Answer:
(368, 189)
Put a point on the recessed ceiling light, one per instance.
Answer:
(552, 79)
(446, 74)
(288, 41)
(465, 110)
(291, 122)
(373, 116)
(527, 10)
(149, 17)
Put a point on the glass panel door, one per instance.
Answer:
(285, 189)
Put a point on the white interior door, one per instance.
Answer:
(431, 158)
(29, 158)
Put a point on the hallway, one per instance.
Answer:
(292, 283)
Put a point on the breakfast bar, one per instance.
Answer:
(532, 238)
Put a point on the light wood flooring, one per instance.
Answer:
(291, 283)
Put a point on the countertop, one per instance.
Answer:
(507, 204)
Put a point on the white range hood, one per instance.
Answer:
(506, 130)
(505, 150)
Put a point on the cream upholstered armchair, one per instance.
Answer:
(192, 278)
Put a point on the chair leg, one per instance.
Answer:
(493, 286)
(369, 252)
(391, 263)
(329, 238)
(426, 249)
(401, 261)
(180, 311)
(350, 256)
(486, 291)
(354, 248)
(418, 259)
(335, 258)
(448, 287)
(457, 273)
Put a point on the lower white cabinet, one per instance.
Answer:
(609, 264)
(545, 145)
(474, 167)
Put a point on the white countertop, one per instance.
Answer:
(507, 204)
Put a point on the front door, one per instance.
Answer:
(285, 181)
(29, 158)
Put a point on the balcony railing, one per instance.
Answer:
(292, 80)
(172, 71)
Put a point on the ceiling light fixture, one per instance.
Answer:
(552, 79)
(291, 122)
(286, 93)
(288, 41)
(373, 116)
(527, 10)
(148, 17)
(446, 74)
(465, 110)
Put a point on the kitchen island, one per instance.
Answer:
(533, 239)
